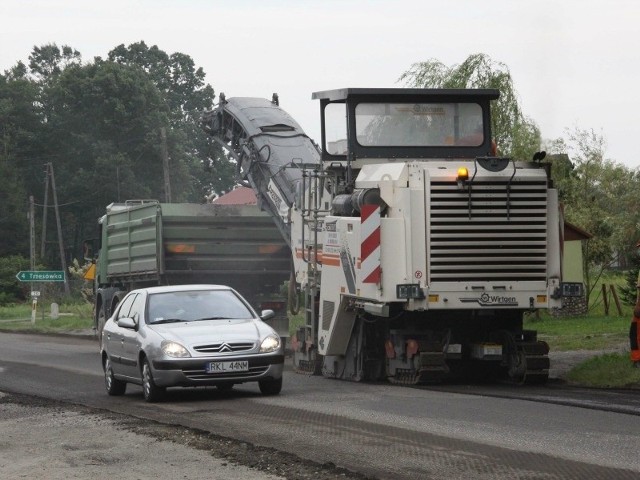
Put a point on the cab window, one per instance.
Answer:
(419, 124)
(335, 127)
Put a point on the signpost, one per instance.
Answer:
(40, 276)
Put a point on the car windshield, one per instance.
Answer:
(195, 305)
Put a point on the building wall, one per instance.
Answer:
(572, 270)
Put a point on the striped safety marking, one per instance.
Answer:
(304, 254)
(370, 248)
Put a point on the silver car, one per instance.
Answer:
(189, 335)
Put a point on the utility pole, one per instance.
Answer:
(32, 234)
(44, 212)
(63, 260)
(165, 165)
(32, 255)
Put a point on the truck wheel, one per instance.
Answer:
(152, 393)
(113, 385)
(270, 387)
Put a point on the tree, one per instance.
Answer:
(100, 125)
(18, 126)
(629, 291)
(103, 123)
(188, 97)
(11, 290)
(516, 135)
(49, 60)
(599, 196)
(13, 209)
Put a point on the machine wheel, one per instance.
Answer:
(114, 386)
(530, 364)
(270, 387)
(152, 393)
(517, 367)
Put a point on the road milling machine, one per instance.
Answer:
(416, 247)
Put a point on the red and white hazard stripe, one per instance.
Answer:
(370, 247)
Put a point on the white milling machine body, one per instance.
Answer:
(419, 250)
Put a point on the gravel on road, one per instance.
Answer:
(56, 441)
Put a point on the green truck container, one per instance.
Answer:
(147, 243)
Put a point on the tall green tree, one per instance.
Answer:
(11, 290)
(103, 123)
(599, 196)
(49, 60)
(188, 97)
(19, 123)
(516, 135)
(99, 124)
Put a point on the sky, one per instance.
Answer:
(574, 63)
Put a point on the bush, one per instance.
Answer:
(629, 291)
(11, 289)
(78, 283)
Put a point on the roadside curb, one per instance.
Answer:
(89, 334)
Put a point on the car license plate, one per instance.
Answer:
(226, 367)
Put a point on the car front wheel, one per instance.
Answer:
(270, 387)
(112, 384)
(152, 393)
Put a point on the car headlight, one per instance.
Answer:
(270, 344)
(173, 349)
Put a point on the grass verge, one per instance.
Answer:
(72, 317)
(611, 370)
(581, 333)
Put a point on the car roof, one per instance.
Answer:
(181, 288)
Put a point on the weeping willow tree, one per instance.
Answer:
(516, 135)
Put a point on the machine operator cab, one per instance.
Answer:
(397, 123)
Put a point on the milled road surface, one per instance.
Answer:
(48, 440)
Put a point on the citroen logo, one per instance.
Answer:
(225, 348)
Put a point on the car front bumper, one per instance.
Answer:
(186, 372)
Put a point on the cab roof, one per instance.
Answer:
(343, 94)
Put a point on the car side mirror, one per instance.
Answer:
(267, 314)
(127, 322)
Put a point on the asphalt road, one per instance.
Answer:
(378, 430)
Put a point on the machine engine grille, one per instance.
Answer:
(492, 230)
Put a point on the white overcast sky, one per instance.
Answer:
(575, 63)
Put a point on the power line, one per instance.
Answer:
(52, 206)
